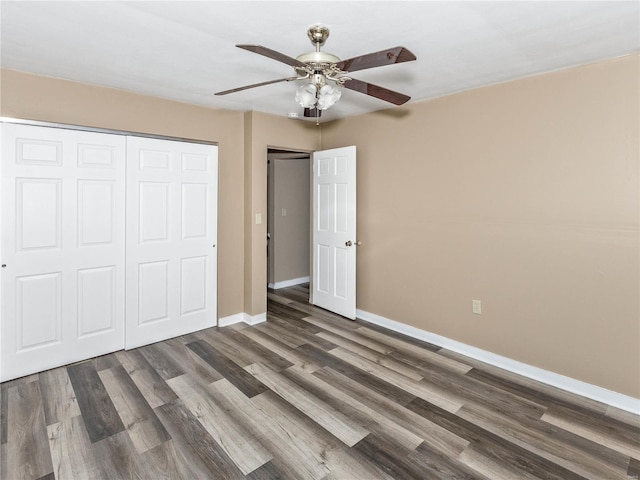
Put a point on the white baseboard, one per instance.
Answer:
(242, 317)
(288, 283)
(231, 319)
(569, 384)
(255, 319)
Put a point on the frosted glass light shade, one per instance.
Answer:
(327, 97)
(306, 95)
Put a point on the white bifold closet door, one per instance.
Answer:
(171, 239)
(62, 248)
(107, 242)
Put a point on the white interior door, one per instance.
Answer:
(171, 239)
(334, 231)
(62, 247)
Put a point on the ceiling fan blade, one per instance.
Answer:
(246, 87)
(376, 91)
(376, 59)
(267, 52)
(312, 112)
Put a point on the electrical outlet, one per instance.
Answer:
(476, 307)
(284, 212)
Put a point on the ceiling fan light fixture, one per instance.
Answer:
(306, 95)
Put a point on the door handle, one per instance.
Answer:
(348, 243)
(358, 243)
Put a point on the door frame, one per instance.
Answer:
(284, 154)
(311, 212)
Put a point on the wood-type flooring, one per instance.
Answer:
(305, 395)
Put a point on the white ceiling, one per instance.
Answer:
(185, 51)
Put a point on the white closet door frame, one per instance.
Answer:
(171, 239)
(62, 244)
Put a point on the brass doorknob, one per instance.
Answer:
(358, 243)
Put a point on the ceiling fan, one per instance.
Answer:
(321, 69)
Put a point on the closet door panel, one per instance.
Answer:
(171, 237)
(62, 241)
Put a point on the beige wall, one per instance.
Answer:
(523, 195)
(47, 99)
(289, 233)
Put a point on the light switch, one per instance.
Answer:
(258, 218)
(476, 307)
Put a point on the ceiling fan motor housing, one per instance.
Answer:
(318, 34)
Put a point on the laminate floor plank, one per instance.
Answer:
(256, 352)
(152, 386)
(285, 311)
(490, 453)
(305, 395)
(4, 411)
(299, 295)
(320, 412)
(145, 431)
(358, 375)
(292, 355)
(281, 334)
(100, 415)
(562, 448)
(233, 437)
(193, 447)
(166, 462)
(327, 317)
(302, 333)
(268, 471)
(630, 419)
(448, 400)
(229, 350)
(161, 361)
(398, 336)
(633, 471)
(392, 460)
(106, 361)
(303, 445)
(605, 431)
(274, 297)
(438, 438)
(471, 390)
(352, 335)
(27, 451)
(438, 465)
(352, 408)
(71, 450)
(3, 461)
(414, 350)
(246, 383)
(48, 476)
(523, 387)
(59, 399)
(189, 361)
(294, 455)
(117, 458)
(385, 360)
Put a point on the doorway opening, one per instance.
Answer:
(288, 218)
